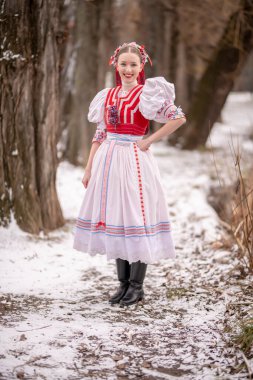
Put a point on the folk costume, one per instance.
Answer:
(124, 214)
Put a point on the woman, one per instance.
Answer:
(124, 213)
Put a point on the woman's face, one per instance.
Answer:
(129, 67)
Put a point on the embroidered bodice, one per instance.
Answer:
(129, 112)
(122, 114)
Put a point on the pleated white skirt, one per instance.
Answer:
(124, 213)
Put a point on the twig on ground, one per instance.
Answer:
(31, 361)
(250, 370)
(37, 328)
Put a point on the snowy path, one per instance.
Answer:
(56, 322)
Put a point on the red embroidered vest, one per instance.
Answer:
(122, 114)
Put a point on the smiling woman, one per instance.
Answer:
(129, 66)
(124, 214)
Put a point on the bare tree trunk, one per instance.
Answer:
(86, 74)
(29, 114)
(67, 71)
(106, 25)
(218, 79)
(84, 80)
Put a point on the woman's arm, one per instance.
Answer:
(87, 173)
(164, 131)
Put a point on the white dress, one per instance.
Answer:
(124, 191)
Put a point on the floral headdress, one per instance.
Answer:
(144, 55)
(144, 58)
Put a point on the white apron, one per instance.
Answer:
(124, 213)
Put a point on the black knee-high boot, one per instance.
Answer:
(123, 271)
(135, 291)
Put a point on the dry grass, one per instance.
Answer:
(245, 338)
(242, 213)
(234, 205)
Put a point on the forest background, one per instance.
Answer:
(54, 58)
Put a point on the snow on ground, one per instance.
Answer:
(56, 322)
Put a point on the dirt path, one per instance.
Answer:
(178, 331)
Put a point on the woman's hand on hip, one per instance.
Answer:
(143, 144)
(86, 178)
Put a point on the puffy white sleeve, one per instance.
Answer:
(96, 115)
(157, 101)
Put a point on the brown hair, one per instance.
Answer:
(130, 49)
